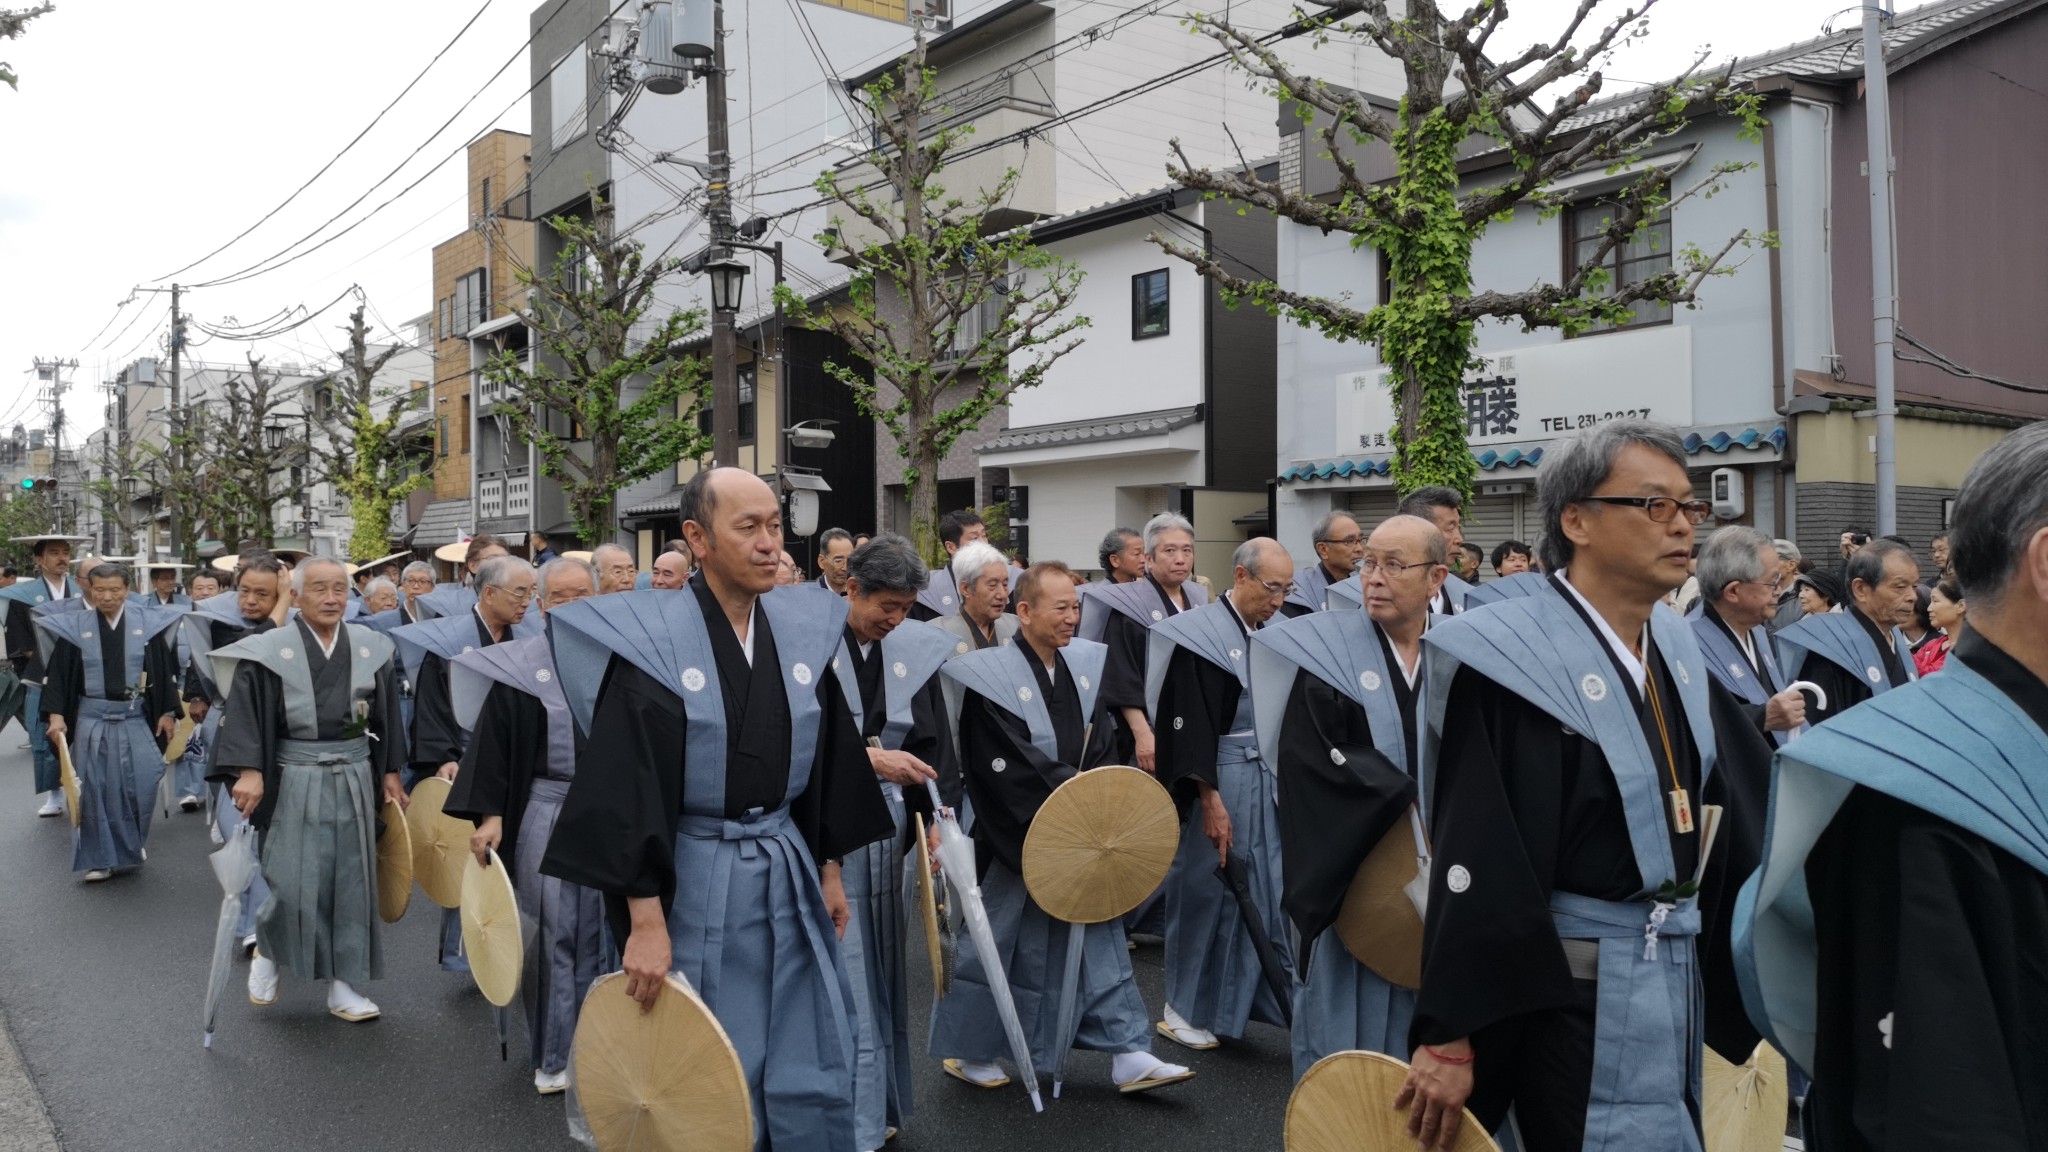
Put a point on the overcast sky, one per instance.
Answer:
(147, 134)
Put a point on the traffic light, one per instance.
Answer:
(37, 483)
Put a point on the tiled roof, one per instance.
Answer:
(1091, 431)
(668, 502)
(1830, 57)
(443, 522)
(1489, 460)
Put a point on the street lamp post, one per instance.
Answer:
(727, 277)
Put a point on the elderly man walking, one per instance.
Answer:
(1739, 580)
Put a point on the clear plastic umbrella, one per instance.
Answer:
(956, 860)
(234, 866)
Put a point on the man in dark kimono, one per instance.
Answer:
(1738, 573)
(723, 783)
(163, 585)
(1444, 508)
(259, 603)
(515, 772)
(1339, 544)
(982, 576)
(887, 669)
(50, 582)
(941, 597)
(1858, 652)
(112, 689)
(1577, 907)
(1892, 942)
(1339, 716)
(309, 741)
(1199, 699)
(1119, 615)
(1026, 718)
(1122, 556)
(503, 589)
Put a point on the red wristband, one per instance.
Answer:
(1440, 1058)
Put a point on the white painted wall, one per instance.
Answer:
(1111, 374)
(1073, 505)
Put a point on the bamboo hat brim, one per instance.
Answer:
(663, 1079)
(491, 936)
(1100, 844)
(181, 738)
(1743, 1105)
(440, 843)
(454, 553)
(1345, 1103)
(1377, 922)
(394, 863)
(928, 911)
(67, 776)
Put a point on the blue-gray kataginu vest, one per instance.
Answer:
(1647, 1025)
(1342, 650)
(666, 636)
(1139, 600)
(1211, 633)
(1843, 641)
(1003, 676)
(82, 629)
(911, 653)
(1952, 745)
(282, 651)
(524, 665)
(1726, 660)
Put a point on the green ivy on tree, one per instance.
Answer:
(584, 314)
(363, 453)
(1424, 221)
(952, 315)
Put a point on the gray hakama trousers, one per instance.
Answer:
(320, 857)
(118, 767)
(1342, 1007)
(1213, 978)
(565, 935)
(750, 932)
(872, 950)
(965, 1025)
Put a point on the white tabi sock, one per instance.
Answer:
(1129, 1066)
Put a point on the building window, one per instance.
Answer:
(707, 422)
(569, 97)
(485, 200)
(465, 424)
(1641, 256)
(446, 330)
(442, 430)
(1150, 305)
(468, 305)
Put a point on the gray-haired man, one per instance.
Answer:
(1119, 615)
(1739, 576)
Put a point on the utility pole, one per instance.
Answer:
(53, 370)
(1884, 301)
(173, 417)
(725, 398)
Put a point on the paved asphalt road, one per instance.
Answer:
(102, 987)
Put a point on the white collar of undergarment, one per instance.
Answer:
(1232, 605)
(327, 645)
(1628, 659)
(1411, 675)
(114, 625)
(57, 590)
(747, 639)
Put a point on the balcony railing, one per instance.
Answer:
(491, 391)
(490, 498)
(518, 494)
(504, 494)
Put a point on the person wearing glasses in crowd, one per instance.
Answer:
(1739, 582)
(616, 569)
(1339, 545)
(1197, 695)
(1574, 943)
(1860, 652)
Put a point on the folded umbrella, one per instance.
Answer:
(1233, 875)
(234, 866)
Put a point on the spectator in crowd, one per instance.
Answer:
(1917, 627)
(1512, 557)
(1819, 593)
(1945, 609)
(835, 548)
(1789, 609)
(1938, 549)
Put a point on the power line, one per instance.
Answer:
(286, 257)
(464, 30)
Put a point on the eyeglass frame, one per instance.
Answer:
(1697, 510)
(1367, 565)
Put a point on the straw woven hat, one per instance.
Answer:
(454, 553)
(181, 736)
(67, 776)
(928, 908)
(490, 929)
(440, 843)
(394, 863)
(1100, 844)
(1345, 1103)
(1744, 1104)
(659, 1080)
(1377, 922)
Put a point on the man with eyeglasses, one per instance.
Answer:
(1859, 653)
(1119, 616)
(1339, 544)
(515, 773)
(1339, 720)
(504, 589)
(1739, 581)
(1594, 802)
(1198, 698)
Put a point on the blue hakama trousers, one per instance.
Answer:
(1213, 978)
(118, 767)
